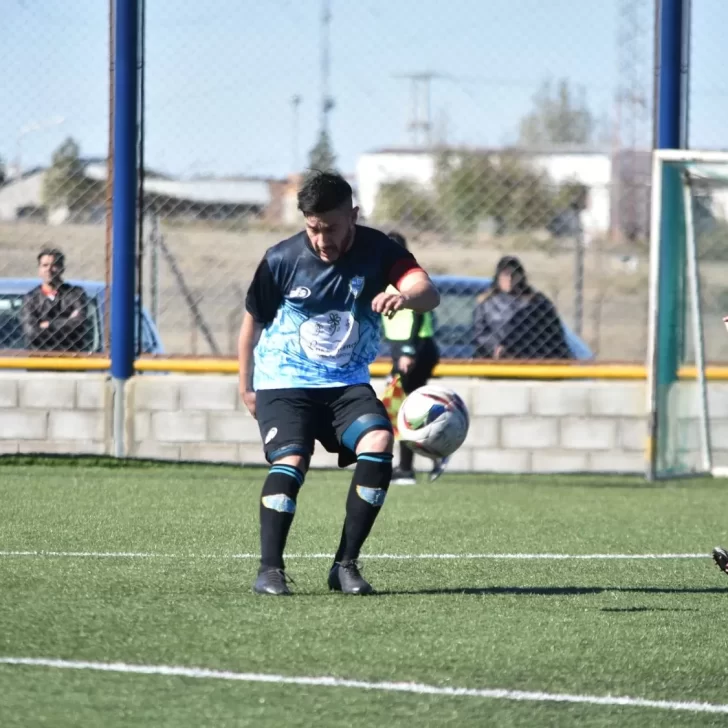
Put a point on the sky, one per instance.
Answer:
(221, 75)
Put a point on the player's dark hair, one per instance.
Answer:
(58, 256)
(398, 238)
(323, 192)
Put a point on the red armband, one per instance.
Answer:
(401, 269)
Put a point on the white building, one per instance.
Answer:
(23, 197)
(590, 168)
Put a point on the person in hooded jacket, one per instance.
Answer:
(512, 320)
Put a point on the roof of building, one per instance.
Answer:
(208, 191)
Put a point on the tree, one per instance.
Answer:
(322, 157)
(557, 118)
(403, 203)
(501, 188)
(65, 184)
(3, 172)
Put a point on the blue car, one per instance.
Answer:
(453, 319)
(12, 291)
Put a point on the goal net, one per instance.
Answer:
(688, 300)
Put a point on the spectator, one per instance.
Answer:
(514, 321)
(54, 313)
(414, 357)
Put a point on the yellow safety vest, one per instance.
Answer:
(399, 327)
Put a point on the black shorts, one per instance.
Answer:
(426, 358)
(290, 420)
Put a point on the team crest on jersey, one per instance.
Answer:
(356, 286)
(300, 292)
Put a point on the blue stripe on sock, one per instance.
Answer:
(290, 471)
(383, 457)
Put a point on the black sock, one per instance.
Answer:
(406, 457)
(366, 495)
(277, 506)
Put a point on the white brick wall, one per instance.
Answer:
(516, 426)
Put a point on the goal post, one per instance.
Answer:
(688, 188)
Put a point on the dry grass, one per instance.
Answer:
(217, 265)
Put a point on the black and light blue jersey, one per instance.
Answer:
(319, 329)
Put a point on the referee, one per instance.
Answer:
(414, 356)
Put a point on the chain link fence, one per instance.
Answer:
(54, 132)
(477, 130)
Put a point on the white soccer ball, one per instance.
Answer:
(433, 421)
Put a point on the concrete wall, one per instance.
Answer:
(515, 426)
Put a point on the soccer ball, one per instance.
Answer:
(433, 421)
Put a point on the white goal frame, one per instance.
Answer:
(660, 158)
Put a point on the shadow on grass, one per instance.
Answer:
(631, 610)
(553, 591)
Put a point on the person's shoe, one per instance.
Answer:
(346, 577)
(720, 556)
(438, 468)
(403, 477)
(272, 581)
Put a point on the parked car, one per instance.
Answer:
(453, 319)
(12, 291)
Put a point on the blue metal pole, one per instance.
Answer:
(126, 47)
(670, 134)
(669, 101)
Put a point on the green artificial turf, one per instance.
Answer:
(638, 628)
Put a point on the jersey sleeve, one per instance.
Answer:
(264, 294)
(398, 264)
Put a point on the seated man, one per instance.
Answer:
(310, 331)
(53, 314)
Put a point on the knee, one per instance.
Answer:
(376, 441)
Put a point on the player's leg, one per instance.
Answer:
(286, 420)
(420, 373)
(720, 556)
(365, 433)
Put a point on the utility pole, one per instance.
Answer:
(295, 103)
(420, 120)
(632, 115)
(327, 102)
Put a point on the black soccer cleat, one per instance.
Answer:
(720, 556)
(345, 577)
(403, 477)
(273, 582)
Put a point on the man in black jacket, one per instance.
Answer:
(54, 314)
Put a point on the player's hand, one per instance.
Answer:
(405, 363)
(44, 324)
(248, 398)
(388, 303)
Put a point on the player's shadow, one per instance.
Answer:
(551, 591)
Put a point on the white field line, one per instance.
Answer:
(394, 557)
(389, 687)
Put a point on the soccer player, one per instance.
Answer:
(414, 357)
(310, 330)
(720, 556)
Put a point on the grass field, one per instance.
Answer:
(137, 565)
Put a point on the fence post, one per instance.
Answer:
(671, 70)
(124, 205)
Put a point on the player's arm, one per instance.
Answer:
(419, 291)
(415, 291)
(261, 307)
(247, 341)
